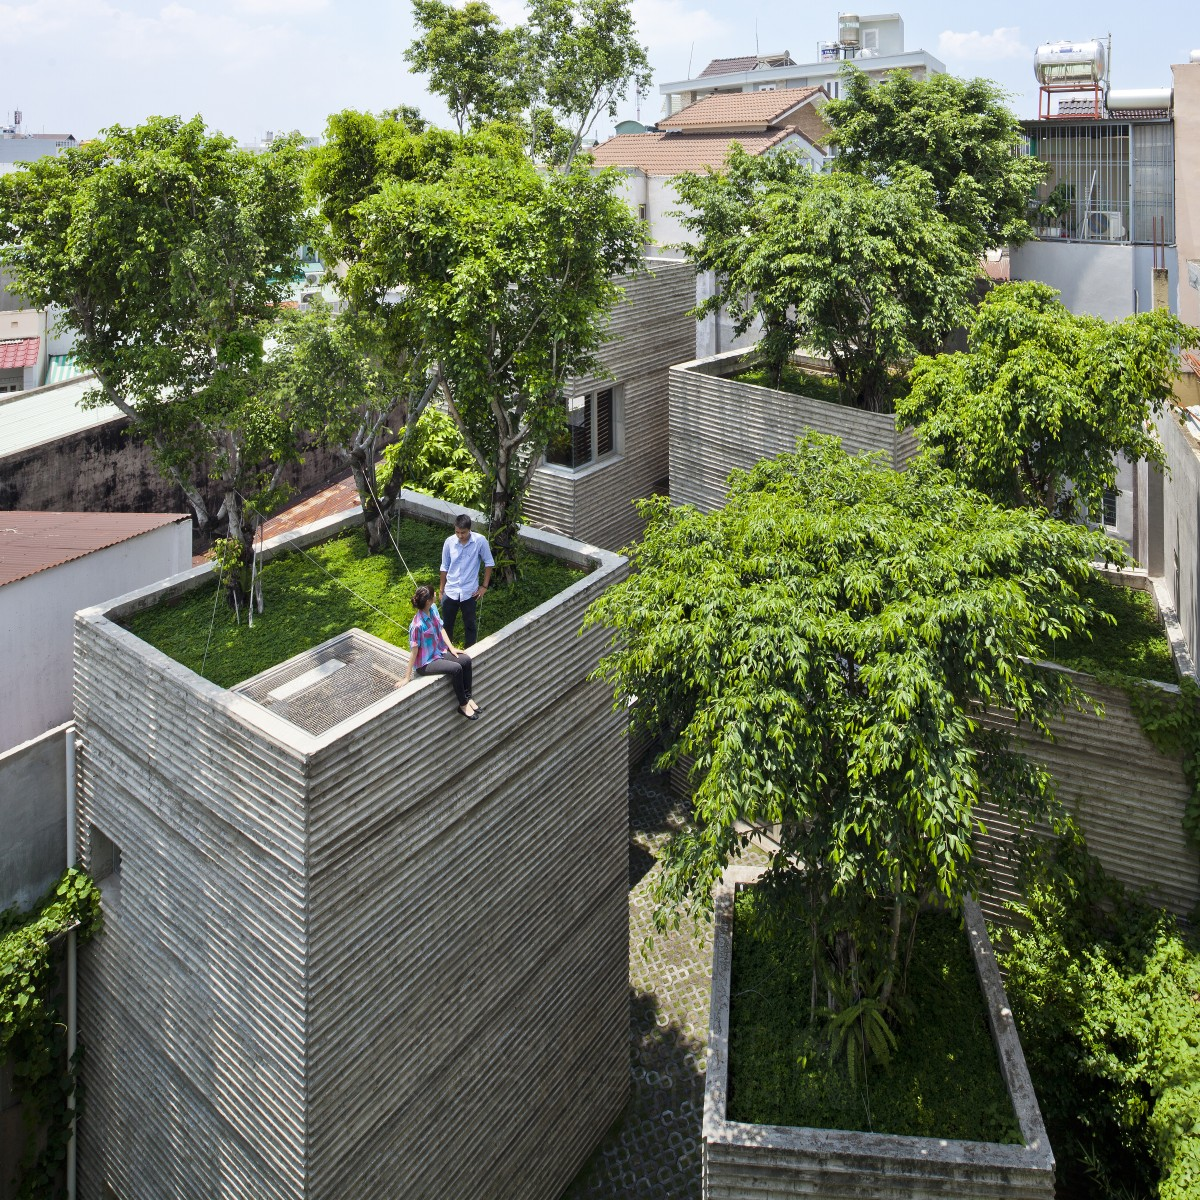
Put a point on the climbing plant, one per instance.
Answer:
(1172, 723)
(32, 1032)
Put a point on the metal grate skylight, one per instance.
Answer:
(330, 683)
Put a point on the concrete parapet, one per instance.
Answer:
(719, 423)
(742, 1161)
(390, 959)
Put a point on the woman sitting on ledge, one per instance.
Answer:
(431, 653)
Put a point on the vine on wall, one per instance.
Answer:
(1172, 723)
(32, 1030)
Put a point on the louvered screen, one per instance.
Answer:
(604, 422)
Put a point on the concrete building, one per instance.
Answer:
(874, 43)
(1186, 80)
(616, 447)
(18, 146)
(353, 947)
(51, 565)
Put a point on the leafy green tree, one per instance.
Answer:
(960, 132)
(866, 273)
(438, 462)
(472, 61)
(823, 648)
(582, 58)
(729, 211)
(1042, 401)
(506, 274)
(333, 369)
(167, 251)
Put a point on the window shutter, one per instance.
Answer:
(581, 438)
(604, 422)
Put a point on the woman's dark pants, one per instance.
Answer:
(459, 670)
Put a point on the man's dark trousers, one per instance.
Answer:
(450, 610)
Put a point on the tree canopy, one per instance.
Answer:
(960, 132)
(472, 61)
(1037, 408)
(823, 648)
(867, 273)
(556, 74)
(505, 274)
(167, 251)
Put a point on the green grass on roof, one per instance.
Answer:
(313, 596)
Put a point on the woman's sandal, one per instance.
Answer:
(469, 716)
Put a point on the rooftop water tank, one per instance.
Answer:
(848, 28)
(1123, 99)
(1069, 62)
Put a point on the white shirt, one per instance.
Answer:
(461, 561)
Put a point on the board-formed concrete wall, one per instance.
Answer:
(718, 423)
(745, 1162)
(389, 960)
(650, 330)
(1126, 796)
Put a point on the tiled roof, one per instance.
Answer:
(747, 62)
(35, 541)
(668, 153)
(733, 110)
(19, 352)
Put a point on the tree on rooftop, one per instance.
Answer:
(167, 251)
(472, 61)
(823, 648)
(865, 273)
(504, 276)
(1042, 401)
(583, 57)
(338, 372)
(730, 211)
(960, 132)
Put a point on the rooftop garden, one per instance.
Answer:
(313, 595)
(943, 1080)
(1136, 645)
(816, 385)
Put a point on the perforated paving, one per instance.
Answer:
(653, 1150)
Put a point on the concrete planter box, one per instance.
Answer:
(718, 423)
(742, 1160)
(389, 958)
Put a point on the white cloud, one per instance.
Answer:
(983, 47)
(668, 24)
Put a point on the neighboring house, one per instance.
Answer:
(615, 449)
(698, 138)
(17, 146)
(874, 43)
(51, 565)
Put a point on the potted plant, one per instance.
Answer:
(822, 648)
(1056, 214)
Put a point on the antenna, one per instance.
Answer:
(755, 37)
(690, 52)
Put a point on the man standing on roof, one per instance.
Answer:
(463, 554)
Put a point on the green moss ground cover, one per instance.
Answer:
(944, 1080)
(304, 606)
(800, 382)
(1136, 645)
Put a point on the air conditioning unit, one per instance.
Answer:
(1107, 226)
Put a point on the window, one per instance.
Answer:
(766, 87)
(106, 855)
(591, 432)
(1109, 508)
(870, 39)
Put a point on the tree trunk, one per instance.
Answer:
(375, 515)
(241, 530)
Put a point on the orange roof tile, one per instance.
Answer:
(669, 153)
(739, 110)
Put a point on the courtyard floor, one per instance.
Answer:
(653, 1150)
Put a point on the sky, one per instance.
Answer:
(251, 66)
